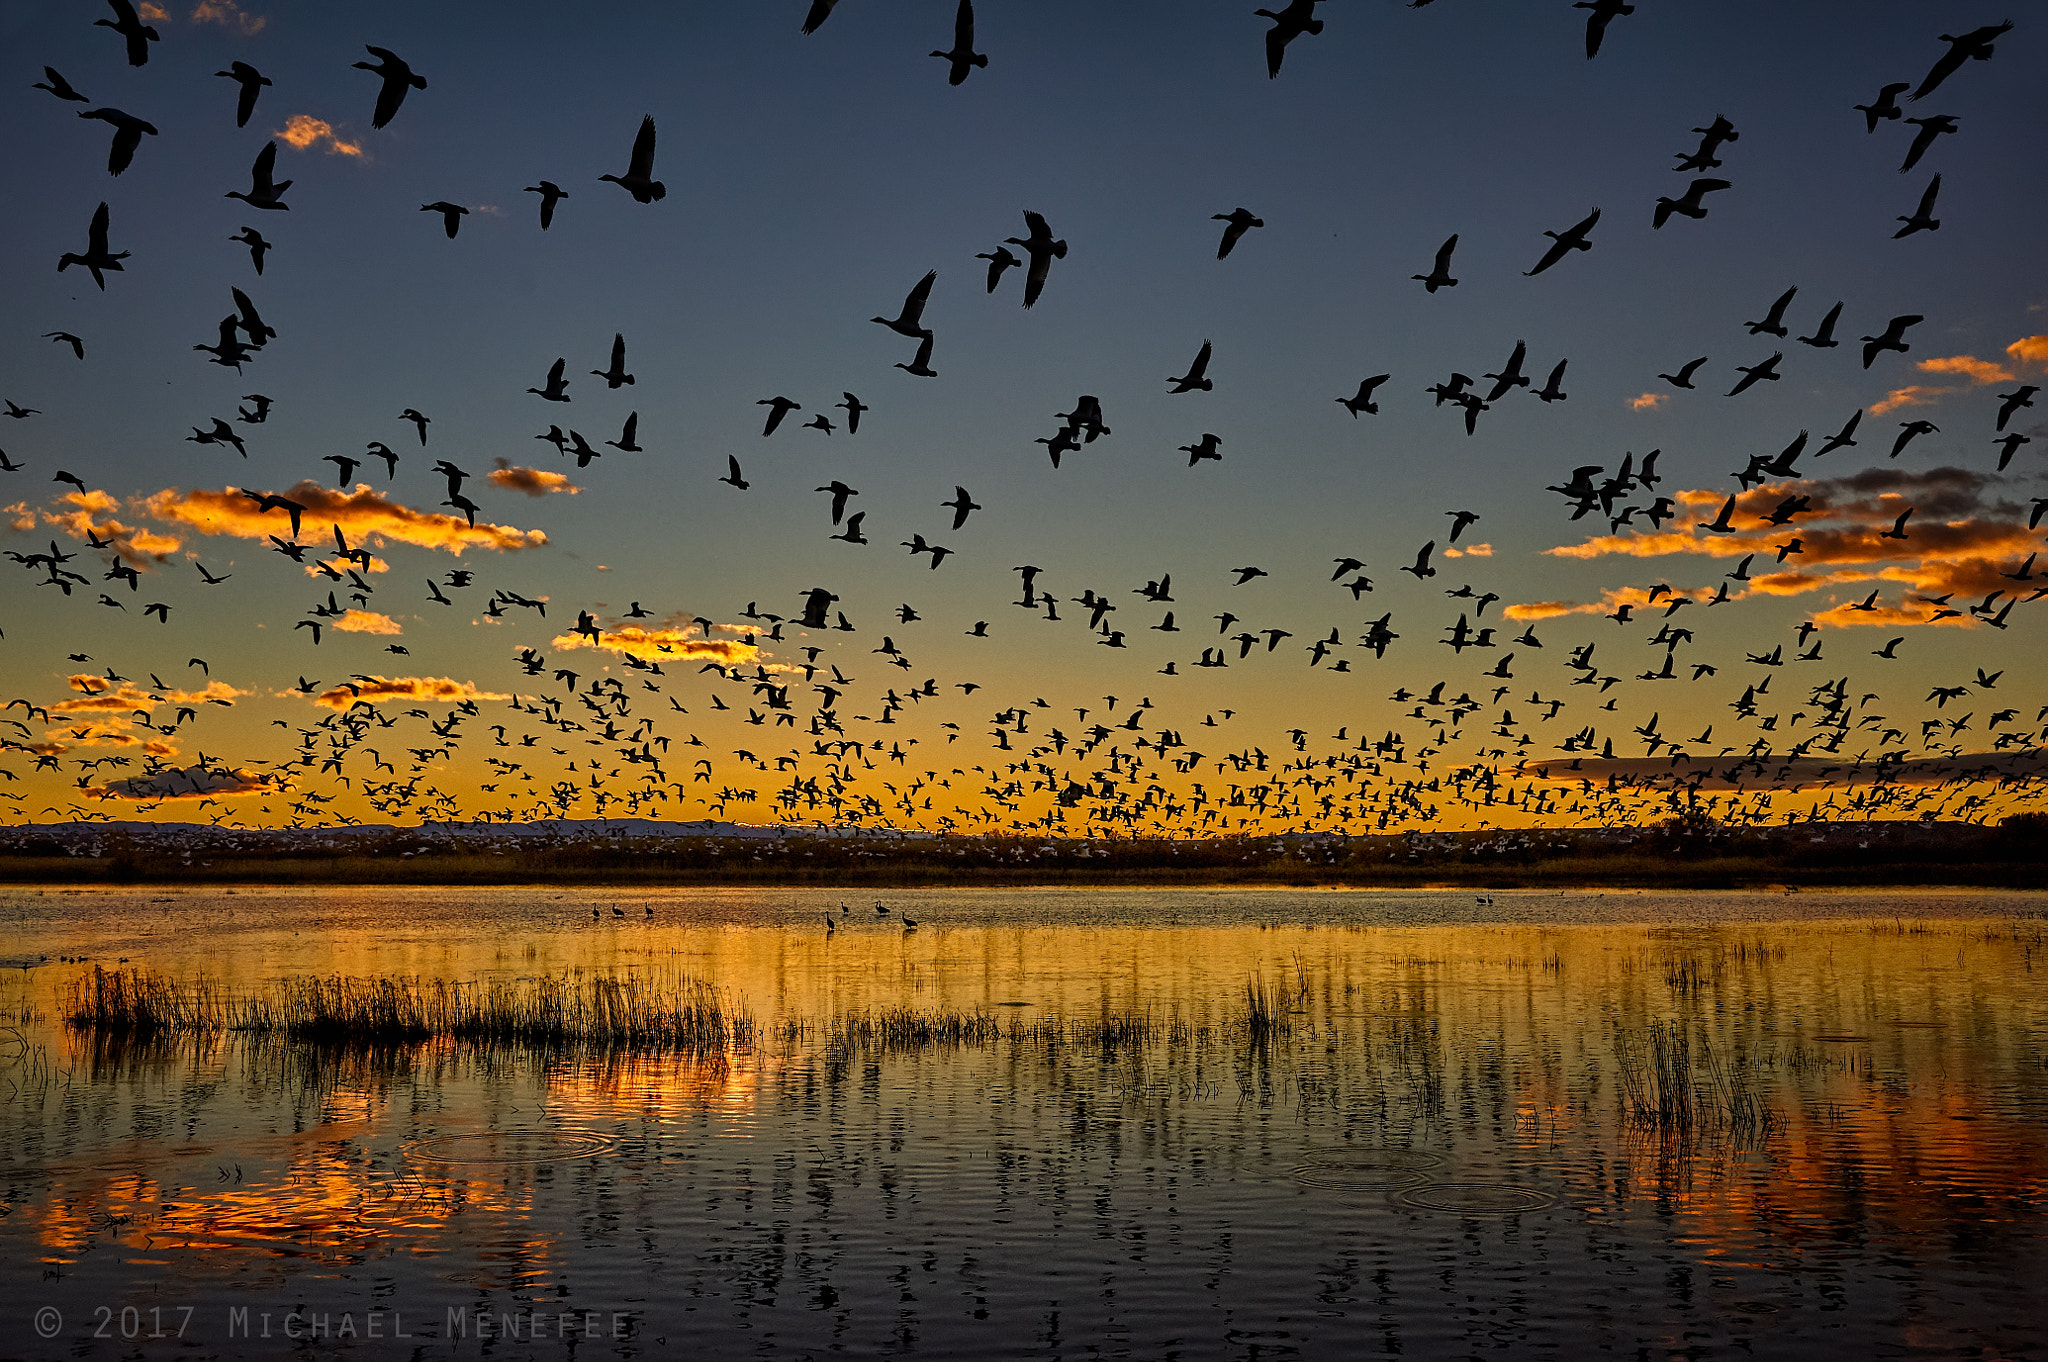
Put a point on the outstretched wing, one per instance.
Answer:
(914, 301)
(821, 10)
(96, 235)
(643, 150)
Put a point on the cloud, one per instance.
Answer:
(303, 131)
(189, 782)
(2029, 350)
(149, 9)
(1912, 395)
(134, 546)
(364, 515)
(1883, 614)
(1470, 551)
(1648, 401)
(19, 516)
(437, 689)
(101, 696)
(667, 643)
(228, 14)
(1611, 599)
(366, 622)
(535, 482)
(1978, 371)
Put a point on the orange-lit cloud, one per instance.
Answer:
(366, 622)
(190, 782)
(363, 515)
(19, 516)
(101, 696)
(535, 482)
(90, 517)
(438, 689)
(1886, 615)
(1611, 599)
(1648, 401)
(149, 9)
(302, 131)
(1470, 551)
(668, 643)
(1912, 395)
(228, 14)
(1978, 371)
(1799, 583)
(2029, 350)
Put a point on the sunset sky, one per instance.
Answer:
(810, 182)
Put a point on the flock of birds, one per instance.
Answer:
(1134, 770)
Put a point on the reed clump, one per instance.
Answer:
(603, 1010)
(1677, 1083)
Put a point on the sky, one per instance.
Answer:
(810, 181)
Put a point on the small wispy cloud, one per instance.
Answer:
(1978, 371)
(228, 14)
(1648, 401)
(2029, 350)
(374, 689)
(1470, 551)
(367, 622)
(303, 131)
(535, 482)
(1912, 395)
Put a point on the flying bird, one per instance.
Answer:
(821, 10)
(1892, 338)
(452, 215)
(1930, 128)
(96, 257)
(1923, 219)
(854, 407)
(1197, 374)
(2011, 402)
(263, 192)
(58, 86)
(1683, 378)
(1910, 431)
(1042, 250)
(251, 82)
(253, 239)
(1565, 242)
(1823, 337)
(999, 259)
(910, 321)
(1688, 204)
(1239, 222)
(778, 407)
(1773, 323)
(1297, 18)
(1439, 275)
(732, 477)
(128, 134)
(1886, 105)
(78, 347)
(963, 57)
(550, 194)
(129, 25)
(557, 389)
(639, 178)
(616, 374)
(397, 77)
(1361, 401)
(961, 505)
(1600, 14)
(1972, 46)
(1754, 373)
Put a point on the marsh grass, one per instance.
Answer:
(550, 1010)
(1676, 1083)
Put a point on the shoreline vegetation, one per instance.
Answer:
(1686, 853)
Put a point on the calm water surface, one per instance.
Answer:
(1447, 1145)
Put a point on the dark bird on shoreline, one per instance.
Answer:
(1564, 243)
(1239, 222)
(251, 83)
(963, 57)
(639, 178)
(1439, 275)
(397, 78)
(128, 134)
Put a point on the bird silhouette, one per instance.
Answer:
(1975, 45)
(136, 34)
(1930, 128)
(1688, 204)
(1197, 374)
(1238, 221)
(616, 374)
(253, 239)
(1755, 373)
(58, 86)
(128, 134)
(1823, 337)
(96, 258)
(910, 321)
(1600, 14)
(1892, 338)
(2009, 403)
(1361, 401)
(961, 505)
(1564, 243)
(820, 11)
(1206, 448)
(263, 192)
(840, 492)
(732, 477)
(557, 389)
(639, 178)
(628, 441)
(1550, 391)
(1291, 22)
(78, 346)
(1910, 431)
(921, 364)
(1439, 275)
(397, 77)
(1923, 219)
(1041, 249)
(550, 195)
(251, 82)
(778, 407)
(1886, 105)
(1421, 567)
(1683, 378)
(962, 58)
(999, 259)
(452, 215)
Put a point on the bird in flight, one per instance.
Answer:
(1923, 219)
(1361, 401)
(129, 25)
(452, 215)
(732, 477)
(1972, 46)
(639, 178)
(1297, 18)
(1238, 220)
(251, 82)
(1688, 204)
(550, 194)
(263, 192)
(910, 321)
(2009, 403)
(961, 505)
(1439, 275)
(1565, 242)
(557, 389)
(397, 77)
(1930, 128)
(1886, 105)
(1683, 378)
(96, 257)
(999, 260)
(1042, 250)
(821, 10)
(778, 407)
(1755, 373)
(1197, 375)
(963, 57)
(616, 375)
(78, 347)
(1823, 337)
(1601, 14)
(253, 239)
(1893, 338)
(128, 134)
(55, 83)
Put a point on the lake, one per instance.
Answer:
(1043, 1124)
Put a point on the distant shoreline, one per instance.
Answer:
(1564, 873)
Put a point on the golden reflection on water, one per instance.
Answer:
(1899, 1066)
